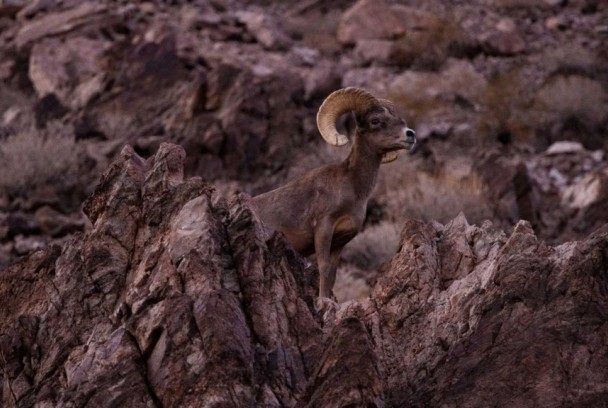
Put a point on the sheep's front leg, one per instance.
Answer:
(323, 236)
(326, 283)
(334, 259)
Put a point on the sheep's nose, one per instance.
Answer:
(410, 135)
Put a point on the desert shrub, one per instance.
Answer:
(315, 155)
(361, 258)
(37, 159)
(506, 108)
(410, 193)
(573, 95)
(351, 283)
(515, 104)
(374, 245)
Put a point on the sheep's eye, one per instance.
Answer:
(375, 121)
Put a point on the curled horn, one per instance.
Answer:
(335, 105)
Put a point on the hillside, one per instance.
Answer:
(134, 273)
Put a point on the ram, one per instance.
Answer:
(321, 211)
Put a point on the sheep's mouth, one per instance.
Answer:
(408, 145)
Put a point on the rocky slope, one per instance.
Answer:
(488, 85)
(178, 297)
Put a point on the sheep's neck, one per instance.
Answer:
(363, 164)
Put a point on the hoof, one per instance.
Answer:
(326, 306)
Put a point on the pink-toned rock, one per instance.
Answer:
(503, 43)
(70, 69)
(86, 14)
(371, 19)
(178, 349)
(177, 297)
(265, 30)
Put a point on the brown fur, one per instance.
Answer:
(321, 211)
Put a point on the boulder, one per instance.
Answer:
(371, 19)
(87, 14)
(503, 40)
(396, 34)
(265, 29)
(70, 69)
(457, 79)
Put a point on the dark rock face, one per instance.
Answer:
(177, 297)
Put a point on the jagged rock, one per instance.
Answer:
(151, 286)
(461, 341)
(177, 297)
(87, 14)
(69, 69)
(348, 373)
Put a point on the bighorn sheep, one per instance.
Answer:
(321, 211)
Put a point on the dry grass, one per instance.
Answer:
(573, 95)
(506, 107)
(316, 155)
(515, 104)
(35, 159)
(406, 192)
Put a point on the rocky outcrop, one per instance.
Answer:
(177, 297)
(237, 84)
(178, 294)
(473, 316)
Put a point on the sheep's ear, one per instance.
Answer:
(389, 157)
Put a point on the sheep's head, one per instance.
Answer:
(377, 121)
